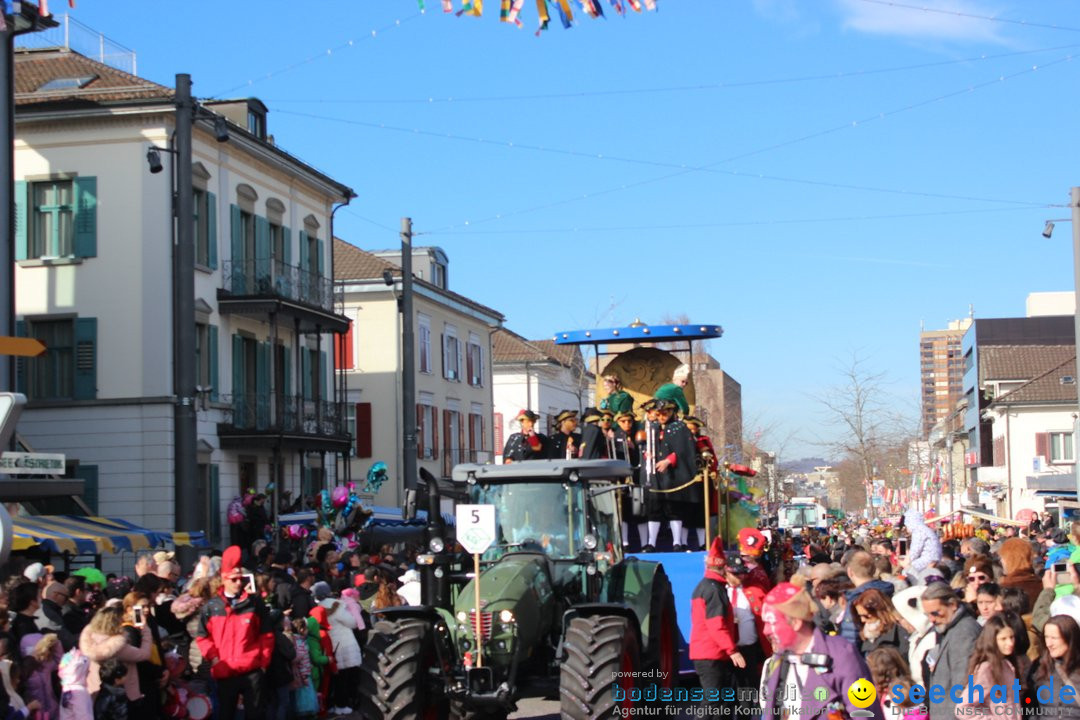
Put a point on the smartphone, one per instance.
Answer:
(249, 584)
(140, 618)
(901, 547)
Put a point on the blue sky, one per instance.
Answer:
(818, 177)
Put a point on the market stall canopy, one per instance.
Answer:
(75, 534)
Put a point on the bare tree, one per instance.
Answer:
(857, 409)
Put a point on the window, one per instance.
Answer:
(68, 368)
(451, 354)
(205, 232)
(1061, 447)
(206, 361)
(277, 247)
(427, 422)
(424, 340)
(256, 124)
(350, 426)
(475, 364)
(56, 218)
(52, 222)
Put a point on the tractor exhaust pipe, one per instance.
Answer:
(435, 578)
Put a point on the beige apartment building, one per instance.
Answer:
(454, 406)
(941, 364)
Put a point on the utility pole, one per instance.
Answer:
(187, 510)
(408, 360)
(949, 449)
(1074, 203)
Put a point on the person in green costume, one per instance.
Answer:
(673, 391)
(617, 400)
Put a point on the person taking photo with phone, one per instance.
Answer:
(235, 637)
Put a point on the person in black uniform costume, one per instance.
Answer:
(565, 442)
(607, 420)
(655, 505)
(593, 442)
(527, 444)
(626, 449)
(676, 465)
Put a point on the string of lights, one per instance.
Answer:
(328, 52)
(973, 16)
(841, 75)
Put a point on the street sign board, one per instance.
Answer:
(21, 463)
(11, 405)
(475, 527)
(21, 347)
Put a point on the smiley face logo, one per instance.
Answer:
(861, 693)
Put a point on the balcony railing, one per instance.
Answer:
(273, 413)
(270, 278)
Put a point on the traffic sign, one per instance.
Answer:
(475, 527)
(22, 347)
(11, 405)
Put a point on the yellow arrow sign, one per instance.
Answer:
(23, 347)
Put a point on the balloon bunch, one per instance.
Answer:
(376, 476)
(295, 532)
(342, 510)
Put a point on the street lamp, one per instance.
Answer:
(1074, 204)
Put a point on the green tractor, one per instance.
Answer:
(557, 600)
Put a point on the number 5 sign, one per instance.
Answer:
(475, 527)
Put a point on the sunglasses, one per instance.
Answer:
(980, 577)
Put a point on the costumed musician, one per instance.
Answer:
(707, 465)
(527, 444)
(675, 467)
(607, 418)
(626, 448)
(647, 438)
(593, 445)
(565, 441)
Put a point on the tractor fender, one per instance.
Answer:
(630, 584)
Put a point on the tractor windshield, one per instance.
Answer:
(547, 516)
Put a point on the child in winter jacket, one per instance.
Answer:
(321, 660)
(305, 703)
(75, 700)
(112, 702)
(41, 656)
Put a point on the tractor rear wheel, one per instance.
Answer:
(663, 647)
(394, 673)
(596, 679)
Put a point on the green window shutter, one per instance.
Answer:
(262, 384)
(286, 244)
(212, 349)
(236, 257)
(305, 375)
(321, 249)
(304, 259)
(85, 358)
(20, 363)
(286, 368)
(211, 234)
(262, 254)
(89, 475)
(238, 380)
(322, 376)
(85, 216)
(22, 224)
(214, 504)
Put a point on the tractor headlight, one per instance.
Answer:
(506, 616)
(462, 617)
(439, 572)
(425, 559)
(590, 541)
(436, 545)
(590, 569)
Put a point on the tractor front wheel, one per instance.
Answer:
(395, 672)
(597, 677)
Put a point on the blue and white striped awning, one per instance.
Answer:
(93, 535)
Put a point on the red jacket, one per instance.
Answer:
(234, 635)
(756, 597)
(713, 634)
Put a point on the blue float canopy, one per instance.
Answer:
(638, 333)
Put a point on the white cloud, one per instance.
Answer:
(938, 21)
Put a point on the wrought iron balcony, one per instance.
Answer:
(274, 417)
(266, 277)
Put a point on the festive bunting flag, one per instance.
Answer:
(447, 6)
(650, 4)
(619, 9)
(472, 7)
(635, 4)
(566, 15)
